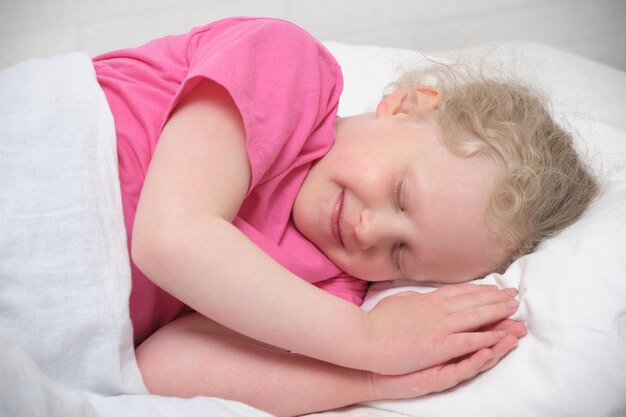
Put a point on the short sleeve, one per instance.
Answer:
(285, 84)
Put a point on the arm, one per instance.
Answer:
(184, 241)
(280, 382)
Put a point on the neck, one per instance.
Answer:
(343, 125)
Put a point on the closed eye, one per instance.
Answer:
(397, 195)
(397, 257)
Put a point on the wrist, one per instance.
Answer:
(340, 336)
(374, 350)
(373, 387)
(365, 352)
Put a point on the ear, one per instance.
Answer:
(421, 99)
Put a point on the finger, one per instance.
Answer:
(515, 328)
(455, 290)
(500, 350)
(477, 317)
(433, 379)
(462, 344)
(479, 298)
(501, 325)
(453, 373)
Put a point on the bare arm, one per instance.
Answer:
(184, 241)
(195, 356)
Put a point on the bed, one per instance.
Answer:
(65, 335)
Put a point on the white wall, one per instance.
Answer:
(593, 28)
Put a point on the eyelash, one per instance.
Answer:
(397, 249)
(397, 195)
(397, 252)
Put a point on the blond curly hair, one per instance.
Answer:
(544, 186)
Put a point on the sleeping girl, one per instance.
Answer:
(256, 218)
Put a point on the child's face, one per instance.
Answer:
(389, 201)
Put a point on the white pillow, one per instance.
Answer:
(573, 287)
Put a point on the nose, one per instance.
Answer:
(374, 229)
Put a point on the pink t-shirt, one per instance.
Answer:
(286, 86)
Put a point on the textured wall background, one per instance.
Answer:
(593, 28)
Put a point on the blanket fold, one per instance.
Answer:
(65, 332)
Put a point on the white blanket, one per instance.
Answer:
(65, 333)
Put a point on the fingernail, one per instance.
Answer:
(500, 334)
(512, 303)
(511, 291)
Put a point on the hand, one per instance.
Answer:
(442, 377)
(412, 331)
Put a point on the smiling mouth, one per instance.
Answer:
(335, 217)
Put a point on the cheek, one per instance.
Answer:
(307, 218)
(370, 268)
(361, 163)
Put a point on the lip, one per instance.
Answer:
(335, 217)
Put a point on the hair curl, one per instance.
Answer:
(544, 186)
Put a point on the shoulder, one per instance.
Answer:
(273, 36)
(259, 26)
(283, 31)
